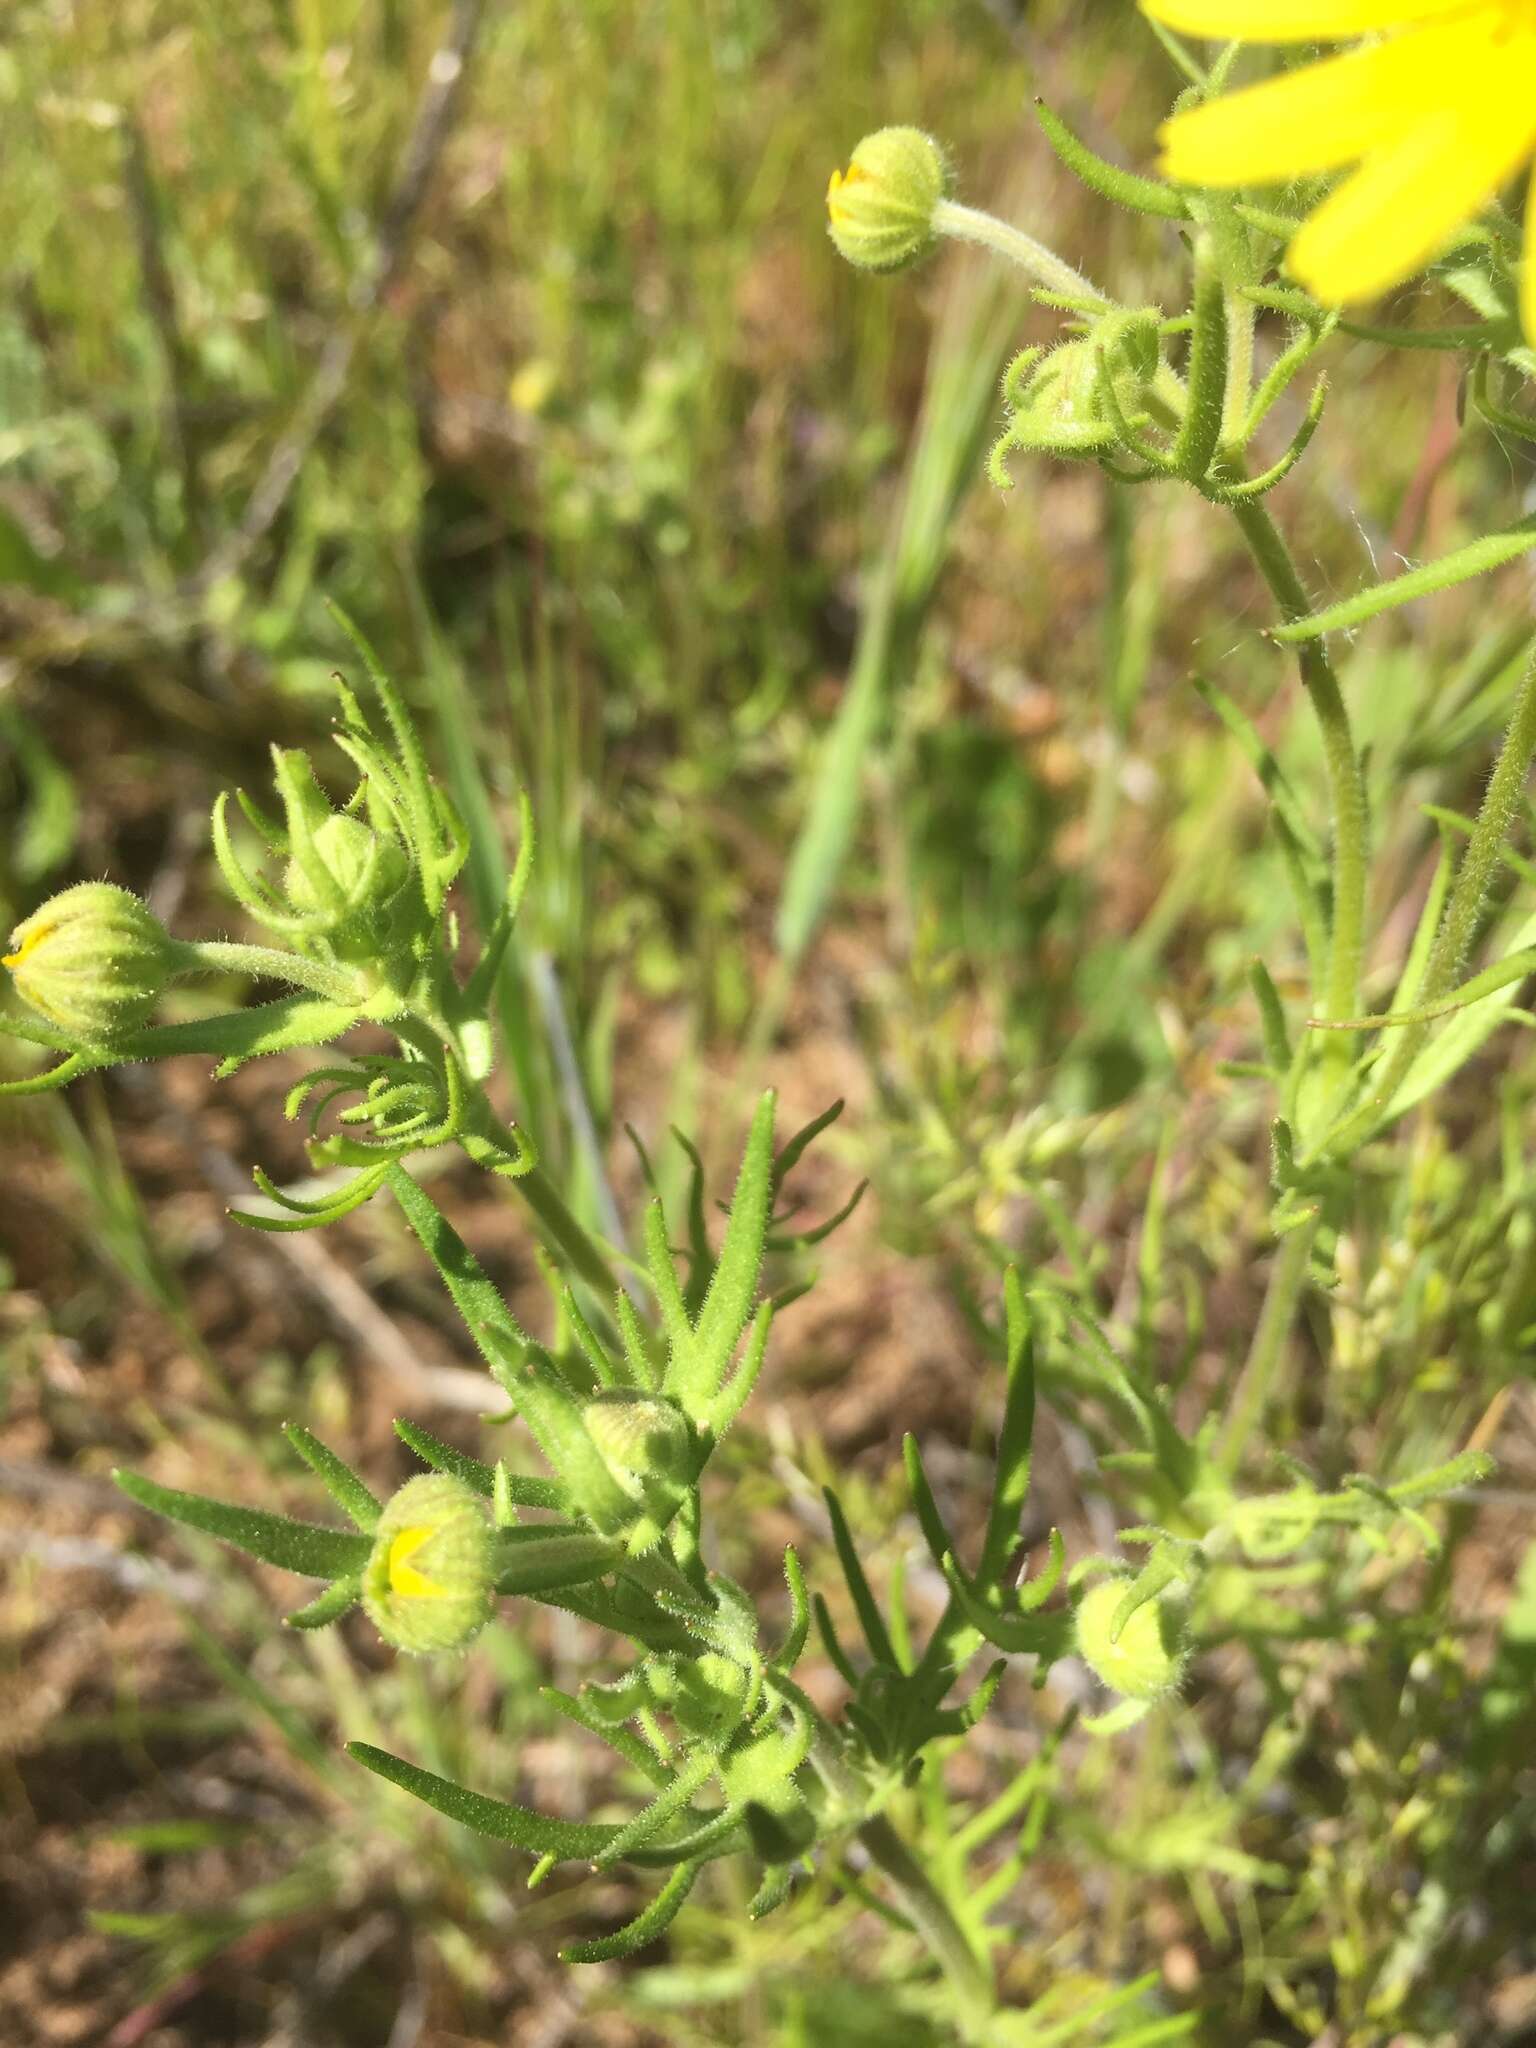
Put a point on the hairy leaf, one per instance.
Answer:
(1475, 559)
(518, 1825)
(657, 1917)
(301, 1547)
(339, 1480)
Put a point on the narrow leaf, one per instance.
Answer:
(789, 1652)
(339, 1480)
(875, 1633)
(620, 1739)
(637, 1355)
(669, 1296)
(831, 1643)
(301, 1547)
(793, 1150)
(935, 1534)
(1016, 1437)
(524, 1829)
(290, 1023)
(477, 1301)
(728, 1302)
(339, 1598)
(656, 1919)
(548, 1564)
(1261, 759)
(1041, 1635)
(525, 1492)
(591, 1348)
(736, 1392)
(1476, 559)
(672, 1800)
(1121, 188)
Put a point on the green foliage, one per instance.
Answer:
(1147, 1030)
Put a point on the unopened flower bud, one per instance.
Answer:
(94, 960)
(430, 1580)
(710, 1692)
(880, 210)
(1147, 1659)
(352, 873)
(639, 1438)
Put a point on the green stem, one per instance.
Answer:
(1286, 1278)
(564, 1233)
(489, 1143)
(930, 1915)
(1454, 939)
(970, 224)
(1240, 313)
(266, 963)
(1346, 784)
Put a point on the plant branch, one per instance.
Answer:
(932, 1918)
(1346, 784)
(1043, 265)
(268, 963)
(1454, 939)
(1287, 1277)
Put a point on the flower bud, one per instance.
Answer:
(710, 1692)
(639, 1438)
(1147, 1659)
(93, 960)
(430, 1580)
(880, 210)
(346, 878)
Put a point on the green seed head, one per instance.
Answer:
(93, 960)
(1146, 1661)
(880, 210)
(430, 1580)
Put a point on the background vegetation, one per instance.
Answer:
(514, 329)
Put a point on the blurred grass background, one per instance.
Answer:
(514, 329)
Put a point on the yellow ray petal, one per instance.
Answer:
(1294, 21)
(1528, 268)
(1405, 202)
(1326, 114)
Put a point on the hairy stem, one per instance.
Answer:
(564, 1232)
(970, 224)
(1234, 412)
(932, 1918)
(1454, 939)
(1287, 1276)
(267, 963)
(1346, 784)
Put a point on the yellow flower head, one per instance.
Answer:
(430, 1580)
(93, 960)
(1437, 113)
